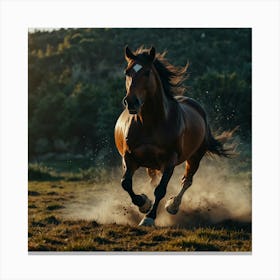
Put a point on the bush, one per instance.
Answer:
(39, 172)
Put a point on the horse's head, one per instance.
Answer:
(140, 79)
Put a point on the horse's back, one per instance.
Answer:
(192, 103)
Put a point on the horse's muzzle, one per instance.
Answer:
(124, 101)
(132, 104)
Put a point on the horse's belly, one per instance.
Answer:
(149, 156)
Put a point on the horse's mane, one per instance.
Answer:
(171, 77)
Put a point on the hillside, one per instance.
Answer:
(76, 83)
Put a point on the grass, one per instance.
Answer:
(55, 186)
(52, 234)
(50, 171)
(50, 230)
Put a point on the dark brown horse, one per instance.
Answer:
(160, 129)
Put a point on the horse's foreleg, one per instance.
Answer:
(142, 200)
(160, 192)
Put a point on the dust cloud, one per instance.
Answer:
(221, 190)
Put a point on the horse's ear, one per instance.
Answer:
(128, 54)
(152, 53)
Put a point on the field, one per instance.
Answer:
(88, 210)
(75, 90)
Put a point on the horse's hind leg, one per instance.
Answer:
(154, 175)
(173, 204)
(142, 201)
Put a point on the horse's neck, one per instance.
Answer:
(157, 107)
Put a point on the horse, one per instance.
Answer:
(160, 128)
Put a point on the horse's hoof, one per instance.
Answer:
(172, 206)
(147, 222)
(147, 205)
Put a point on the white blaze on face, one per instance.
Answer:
(137, 67)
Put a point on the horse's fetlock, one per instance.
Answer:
(138, 200)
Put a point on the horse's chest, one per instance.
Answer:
(147, 150)
(149, 155)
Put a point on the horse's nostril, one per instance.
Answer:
(124, 101)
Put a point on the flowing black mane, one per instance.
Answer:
(171, 77)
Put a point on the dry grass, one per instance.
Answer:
(52, 234)
(53, 226)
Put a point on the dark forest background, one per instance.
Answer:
(76, 84)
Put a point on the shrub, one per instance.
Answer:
(39, 172)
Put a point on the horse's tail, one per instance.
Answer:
(216, 145)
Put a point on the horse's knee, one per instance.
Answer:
(126, 183)
(160, 190)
